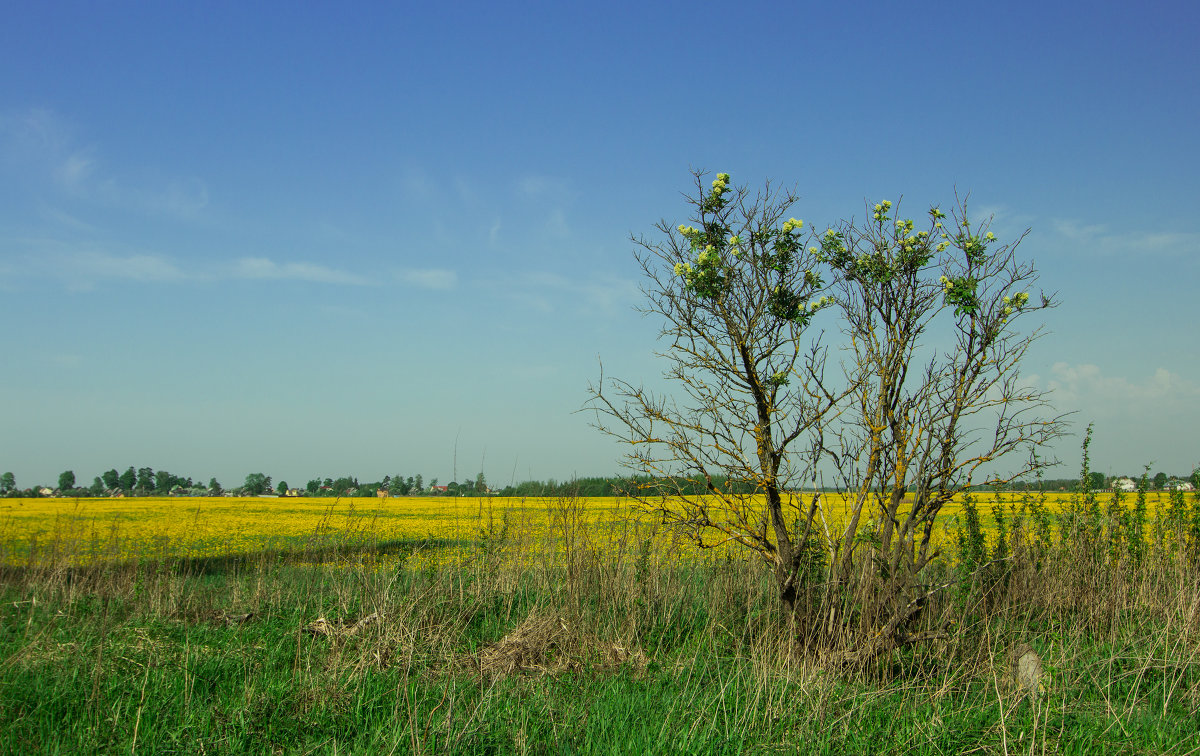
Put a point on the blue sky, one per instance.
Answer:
(322, 241)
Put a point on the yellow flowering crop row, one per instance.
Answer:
(79, 531)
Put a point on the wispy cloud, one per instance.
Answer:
(1097, 239)
(439, 279)
(1086, 385)
(83, 269)
(63, 219)
(548, 292)
(415, 184)
(32, 135)
(74, 171)
(84, 265)
(138, 267)
(265, 268)
(46, 150)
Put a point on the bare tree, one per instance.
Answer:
(737, 295)
(925, 420)
(904, 424)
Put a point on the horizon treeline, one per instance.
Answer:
(146, 481)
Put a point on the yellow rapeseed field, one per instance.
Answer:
(78, 531)
(86, 530)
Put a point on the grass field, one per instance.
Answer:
(542, 626)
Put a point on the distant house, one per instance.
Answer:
(1179, 485)
(1124, 484)
(438, 489)
(382, 493)
(43, 491)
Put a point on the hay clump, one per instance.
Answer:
(546, 643)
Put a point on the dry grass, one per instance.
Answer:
(552, 612)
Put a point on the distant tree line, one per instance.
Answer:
(145, 481)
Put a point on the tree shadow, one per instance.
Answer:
(241, 561)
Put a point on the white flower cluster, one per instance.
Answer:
(792, 224)
(1016, 301)
(721, 185)
(882, 208)
(682, 269)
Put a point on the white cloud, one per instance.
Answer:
(265, 268)
(61, 218)
(1086, 386)
(1098, 240)
(547, 291)
(81, 266)
(32, 135)
(136, 267)
(43, 145)
(74, 171)
(439, 279)
(1150, 415)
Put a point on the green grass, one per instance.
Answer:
(470, 659)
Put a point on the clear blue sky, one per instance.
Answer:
(316, 240)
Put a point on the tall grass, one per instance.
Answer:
(581, 638)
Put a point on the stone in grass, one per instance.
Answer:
(1027, 670)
